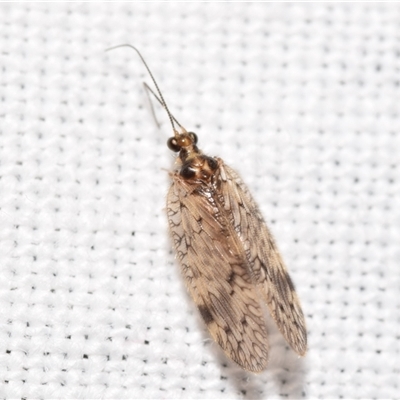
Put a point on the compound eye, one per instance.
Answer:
(172, 145)
(193, 136)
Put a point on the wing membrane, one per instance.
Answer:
(217, 273)
(266, 263)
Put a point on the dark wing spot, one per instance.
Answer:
(205, 313)
(290, 282)
(227, 330)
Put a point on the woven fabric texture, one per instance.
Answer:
(301, 99)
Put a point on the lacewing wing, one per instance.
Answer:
(229, 259)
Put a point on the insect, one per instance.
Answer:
(228, 257)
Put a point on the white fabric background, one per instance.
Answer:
(301, 99)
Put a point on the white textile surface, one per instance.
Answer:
(301, 99)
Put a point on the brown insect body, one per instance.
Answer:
(228, 258)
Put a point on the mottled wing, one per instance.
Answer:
(217, 274)
(263, 256)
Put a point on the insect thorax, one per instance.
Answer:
(195, 166)
(198, 168)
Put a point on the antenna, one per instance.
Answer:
(161, 100)
(149, 89)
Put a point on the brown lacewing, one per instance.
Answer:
(229, 260)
